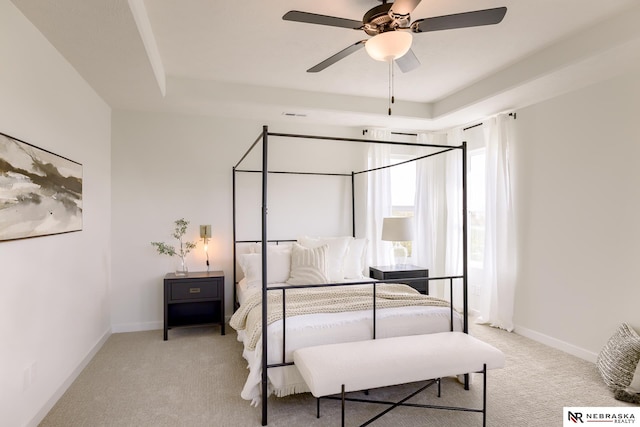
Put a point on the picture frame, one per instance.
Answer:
(40, 191)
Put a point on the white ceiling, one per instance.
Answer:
(240, 58)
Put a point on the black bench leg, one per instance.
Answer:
(484, 395)
(318, 407)
(466, 381)
(343, 402)
(439, 386)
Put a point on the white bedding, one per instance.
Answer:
(317, 329)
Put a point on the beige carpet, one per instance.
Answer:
(194, 379)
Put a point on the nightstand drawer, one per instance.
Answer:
(406, 274)
(194, 290)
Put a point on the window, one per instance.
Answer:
(403, 190)
(476, 205)
(403, 187)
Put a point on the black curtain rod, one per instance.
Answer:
(404, 133)
(480, 124)
(472, 126)
(365, 131)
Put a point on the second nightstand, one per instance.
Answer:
(403, 271)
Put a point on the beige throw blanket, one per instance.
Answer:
(324, 300)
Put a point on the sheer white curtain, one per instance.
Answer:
(426, 208)
(497, 299)
(438, 211)
(453, 180)
(454, 237)
(378, 199)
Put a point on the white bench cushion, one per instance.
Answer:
(364, 365)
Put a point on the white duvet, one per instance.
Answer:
(326, 328)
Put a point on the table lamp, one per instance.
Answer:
(396, 230)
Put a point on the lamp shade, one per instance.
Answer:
(389, 46)
(397, 229)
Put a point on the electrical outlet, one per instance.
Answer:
(34, 372)
(26, 378)
(29, 376)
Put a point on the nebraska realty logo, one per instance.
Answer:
(604, 416)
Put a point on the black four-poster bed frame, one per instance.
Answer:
(264, 171)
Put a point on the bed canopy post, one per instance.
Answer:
(235, 239)
(353, 204)
(265, 169)
(465, 293)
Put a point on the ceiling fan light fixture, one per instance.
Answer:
(389, 46)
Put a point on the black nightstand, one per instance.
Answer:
(193, 300)
(402, 271)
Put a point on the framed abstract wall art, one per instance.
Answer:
(40, 192)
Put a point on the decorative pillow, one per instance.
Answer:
(308, 265)
(634, 387)
(355, 259)
(337, 248)
(618, 362)
(632, 393)
(278, 266)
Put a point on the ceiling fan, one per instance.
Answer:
(390, 26)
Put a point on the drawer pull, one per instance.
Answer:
(194, 290)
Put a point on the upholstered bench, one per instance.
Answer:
(363, 365)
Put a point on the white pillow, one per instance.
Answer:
(337, 249)
(308, 265)
(355, 259)
(256, 248)
(278, 266)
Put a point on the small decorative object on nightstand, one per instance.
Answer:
(193, 300)
(182, 251)
(405, 271)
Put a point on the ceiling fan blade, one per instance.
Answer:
(337, 57)
(408, 62)
(404, 7)
(460, 20)
(313, 18)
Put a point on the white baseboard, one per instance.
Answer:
(587, 355)
(144, 326)
(37, 419)
(137, 327)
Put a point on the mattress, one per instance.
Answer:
(326, 328)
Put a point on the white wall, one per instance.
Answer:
(578, 199)
(54, 308)
(169, 166)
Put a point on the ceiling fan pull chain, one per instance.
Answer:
(393, 82)
(390, 85)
